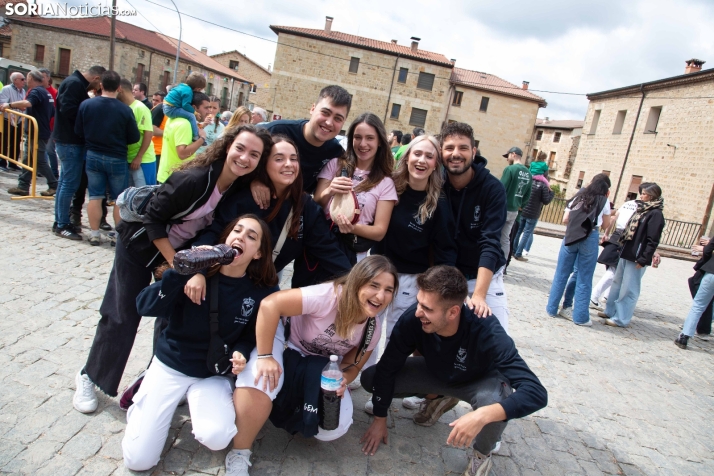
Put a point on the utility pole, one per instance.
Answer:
(112, 35)
(178, 47)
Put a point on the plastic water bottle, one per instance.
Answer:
(196, 259)
(330, 383)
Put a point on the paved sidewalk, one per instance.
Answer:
(621, 401)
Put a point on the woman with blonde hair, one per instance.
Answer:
(333, 318)
(421, 229)
(240, 117)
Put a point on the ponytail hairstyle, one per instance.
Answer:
(349, 309)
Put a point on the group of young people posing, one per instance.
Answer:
(433, 224)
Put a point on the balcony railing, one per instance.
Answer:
(553, 212)
(681, 234)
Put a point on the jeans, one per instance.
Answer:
(525, 233)
(173, 112)
(701, 302)
(570, 287)
(584, 253)
(506, 233)
(52, 157)
(416, 379)
(43, 167)
(106, 172)
(136, 178)
(624, 292)
(149, 173)
(72, 158)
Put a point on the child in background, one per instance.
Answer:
(178, 101)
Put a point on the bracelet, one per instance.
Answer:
(265, 356)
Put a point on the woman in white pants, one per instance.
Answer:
(327, 319)
(181, 365)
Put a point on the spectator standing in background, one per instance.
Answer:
(108, 127)
(394, 138)
(141, 92)
(516, 179)
(541, 194)
(211, 123)
(140, 155)
(259, 115)
(12, 138)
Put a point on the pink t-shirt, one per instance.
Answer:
(367, 200)
(313, 332)
(195, 221)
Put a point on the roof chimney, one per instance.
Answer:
(546, 119)
(415, 44)
(525, 84)
(394, 42)
(204, 50)
(693, 66)
(328, 24)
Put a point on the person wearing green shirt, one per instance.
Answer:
(394, 138)
(516, 179)
(178, 146)
(140, 155)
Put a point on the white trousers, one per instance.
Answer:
(246, 379)
(210, 402)
(495, 298)
(602, 288)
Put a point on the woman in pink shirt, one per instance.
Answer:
(368, 163)
(328, 319)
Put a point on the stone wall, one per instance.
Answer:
(89, 50)
(685, 173)
(254, 73)
(565, 151)
(299, 75)
(507, 122)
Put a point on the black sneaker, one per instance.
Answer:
(68, 232)
(104, 225)
(681, 341)
(75, 219)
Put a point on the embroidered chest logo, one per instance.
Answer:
(477, 217)
(300, 230)
(247, 308)
(460, 363)
(161, 295)
(416, 224)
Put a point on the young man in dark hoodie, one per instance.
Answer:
(460, 355)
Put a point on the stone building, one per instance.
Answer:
(501, 113)
(259, 75)
(405, 86)
(559, 141)
(661, 131)
(66, 44)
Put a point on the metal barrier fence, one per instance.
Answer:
(681, 234)
(18, 145)
(553, 212)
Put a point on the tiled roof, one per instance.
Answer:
(101, 26)
(5, 30)
(489, 82)
(365, 43)
(244, 56)
(559, 124)
(674, 81)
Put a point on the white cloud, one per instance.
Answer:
(557, 45)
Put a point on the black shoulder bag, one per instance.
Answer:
(218, 359)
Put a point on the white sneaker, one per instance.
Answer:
(85, 397)
(355, 384)
(566, 312)
(479, 464)
(525, 253)
(595, 305)
(412, 403)
(496, 448)
(587, 323)
(369, 407)
(237, 462)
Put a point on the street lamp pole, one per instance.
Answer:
(178, 47)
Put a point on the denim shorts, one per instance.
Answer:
(104, 172)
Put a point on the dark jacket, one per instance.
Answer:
(313, 237)
(706, 263)
(641, 248)
(541, 195)
(478, 347)
(182, 193)
(479, 210)
(72, 91)
(184, 344)
(296, 407)
(413, 246)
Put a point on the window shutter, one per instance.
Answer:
(426, 81)
(418, 117)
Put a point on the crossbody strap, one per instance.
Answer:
(213, 303)
(283, 236)
(366, 339)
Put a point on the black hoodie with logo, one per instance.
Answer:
(479, 210)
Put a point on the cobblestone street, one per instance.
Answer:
(621, 401)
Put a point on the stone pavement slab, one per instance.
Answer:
(621, 401)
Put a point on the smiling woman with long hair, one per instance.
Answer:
(183, 361)
(368, 164)
(328, 319)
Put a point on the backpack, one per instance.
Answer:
(133, 201)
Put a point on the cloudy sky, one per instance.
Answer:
(557, 45)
